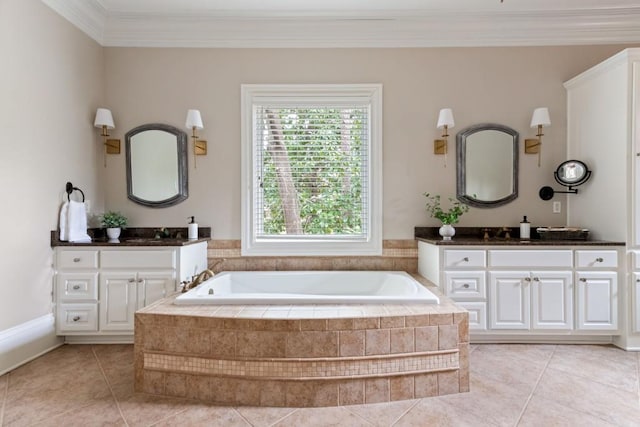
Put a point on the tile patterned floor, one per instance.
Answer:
(511, 385)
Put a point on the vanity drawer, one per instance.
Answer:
(464, 258)
(466, 284)
(77, 286)
(77, 259)
(77, 317)
(531, 258)
(138, 259)
(598, 259)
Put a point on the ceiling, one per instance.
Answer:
(353, 23)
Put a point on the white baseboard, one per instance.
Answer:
(25, 342)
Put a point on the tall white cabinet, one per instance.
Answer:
(603, 130)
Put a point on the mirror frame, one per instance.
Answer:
(181, 146)
(461, 151)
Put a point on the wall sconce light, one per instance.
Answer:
(104, 120)
(445, 121)
(540, 118)
(194, 122)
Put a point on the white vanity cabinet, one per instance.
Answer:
(98, 289)
(518, 291)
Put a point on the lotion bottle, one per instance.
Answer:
(525, 229)
(193, 228)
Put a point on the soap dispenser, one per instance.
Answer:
(525, 229)
(193, 228)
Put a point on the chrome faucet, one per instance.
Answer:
(506, 231)
(196, 280)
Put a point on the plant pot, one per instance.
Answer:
(447, 231)
(113, 233)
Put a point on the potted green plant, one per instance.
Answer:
(114, 222)
(447, 217)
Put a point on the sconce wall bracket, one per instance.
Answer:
(112, 146)
(200, 147)
(532, 146)
(440, 146)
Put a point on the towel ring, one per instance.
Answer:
(71, 189)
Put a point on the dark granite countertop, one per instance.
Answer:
(473, 236)
(139, 236)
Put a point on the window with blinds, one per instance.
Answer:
(311, 169)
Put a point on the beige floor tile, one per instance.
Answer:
(604, 364)
(203, 415)
(609, 403)
(489, 400)
(116, 362)
(533, 353)
(322, 417)
(438, 412)
(506, 368)
(263, 417)
(383, 414)
(4, 383)
(545, 412)
(144, 410)
(98, 414)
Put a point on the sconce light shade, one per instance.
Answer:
(104, 118)
(540, 117)
(194, 120)
(445, 118)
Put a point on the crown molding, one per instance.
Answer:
(89, 16)
(400, 28)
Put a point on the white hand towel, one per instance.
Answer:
(77, 222)
(64, 232)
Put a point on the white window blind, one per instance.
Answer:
(311, 170)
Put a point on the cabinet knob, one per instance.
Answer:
(599, 259)
(76, 287)
(132, 280)
(76, 318)
(466, 286)
(140, 280)
(76, 260)
(527, 279)
(583, 280)
(465, 259)
(536, 279)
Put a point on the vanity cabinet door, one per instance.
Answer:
(597, 305)
(152, 286)
(636, 301)
(552, 295)
(510, 300)
(118, 301)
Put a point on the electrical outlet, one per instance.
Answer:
(557, 207)
(87, 205)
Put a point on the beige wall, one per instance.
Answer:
(501, 85)
(51, 81)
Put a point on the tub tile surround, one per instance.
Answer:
(397, 255)
(389, 352)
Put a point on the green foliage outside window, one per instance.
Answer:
(324, 149)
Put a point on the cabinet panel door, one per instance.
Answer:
(635, 289)
(510, 300)
(597, 300)
(117, 301)
(477, 314)
(552, 294)
(153, 286)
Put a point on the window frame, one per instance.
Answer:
(310, 245)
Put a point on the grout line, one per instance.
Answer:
(155, 423)
(242, 416)
(535, 387)
(4, 399)
(113, 395)
(283, 418)
(359, 416)
(407, 411)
